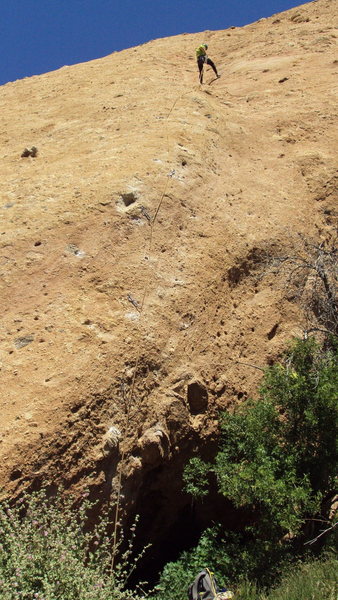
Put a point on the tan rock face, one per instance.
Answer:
(138, 210)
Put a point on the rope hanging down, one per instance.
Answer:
(140, 309)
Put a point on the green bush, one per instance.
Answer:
(177, 576)
(48, 553)
(277, 459)
(277, 455)
(231, 556)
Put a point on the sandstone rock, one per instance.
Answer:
(159, 204)
(153, 445)
(111, 440)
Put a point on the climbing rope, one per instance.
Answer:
(140, 307)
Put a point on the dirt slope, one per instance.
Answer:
(133, 244)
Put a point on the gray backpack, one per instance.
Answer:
(204, 587)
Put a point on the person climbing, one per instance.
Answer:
(202, 58)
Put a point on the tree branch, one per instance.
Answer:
(321, 534)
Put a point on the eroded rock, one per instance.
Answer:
(154, 445)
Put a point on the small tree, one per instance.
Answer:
(277, 456)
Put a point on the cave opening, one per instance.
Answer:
(171, 522)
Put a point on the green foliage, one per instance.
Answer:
(196, 477)
(306, 580)
(230, 555)
(277, 460)
(309, 580)
(277, 455)
(177, 576)
(48, 553)
(304, 389)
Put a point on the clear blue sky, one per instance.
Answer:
(37, 36)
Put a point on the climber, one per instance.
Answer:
(202, 58)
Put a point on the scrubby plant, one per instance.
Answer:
(310, 580)
(277, 455)
(276, 460)
(233, 557)
(47, 552)
(177, 576)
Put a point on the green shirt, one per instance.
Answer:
(200, 51)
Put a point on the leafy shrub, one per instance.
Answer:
(277, 459)
(177, 576)
(48, 553)
(231, 556)
(277, 456)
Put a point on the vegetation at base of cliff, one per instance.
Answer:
(277, 463)
(48, 553)
(310, 580)
(277, 455)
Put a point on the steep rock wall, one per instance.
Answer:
(136, 298)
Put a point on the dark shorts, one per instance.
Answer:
(201, 61)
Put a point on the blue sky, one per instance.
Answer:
(37, 36)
